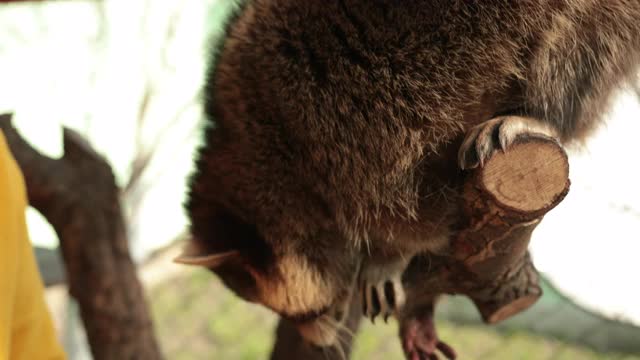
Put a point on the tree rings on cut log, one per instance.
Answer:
(531, 176)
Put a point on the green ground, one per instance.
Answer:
(197, 318)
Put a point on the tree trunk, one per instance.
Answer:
(290, 345)
(77, 194)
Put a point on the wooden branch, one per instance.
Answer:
(77, 194)
(290, 345)
(503, 202)
(510, 295)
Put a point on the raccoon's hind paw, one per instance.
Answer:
(381, 289)
(498, 133)
(419, 337)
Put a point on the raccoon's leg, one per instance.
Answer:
(381, 288)
(498, 133)
(419, 337)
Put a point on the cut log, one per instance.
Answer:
(529, 179)
(503, 202)
(77, 194)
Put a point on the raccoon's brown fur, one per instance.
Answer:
(335, 124)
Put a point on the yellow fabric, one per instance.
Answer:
(26, 328)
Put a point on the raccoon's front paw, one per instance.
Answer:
(381, 289)
(498, 133)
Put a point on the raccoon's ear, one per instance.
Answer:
(195, 253)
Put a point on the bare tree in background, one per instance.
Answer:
(95, 230)
(78, 196)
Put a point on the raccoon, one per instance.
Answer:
(339, 130)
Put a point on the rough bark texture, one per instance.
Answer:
(503, 202)
(77, 194)
(290, 345)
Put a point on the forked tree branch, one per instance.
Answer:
(77, 194)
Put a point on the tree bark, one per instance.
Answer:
(503, 202)
(290, 345)
(77, 194)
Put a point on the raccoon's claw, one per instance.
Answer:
(381, 290)
(384, 299)
(498, 133)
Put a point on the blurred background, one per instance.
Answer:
(127, 75)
